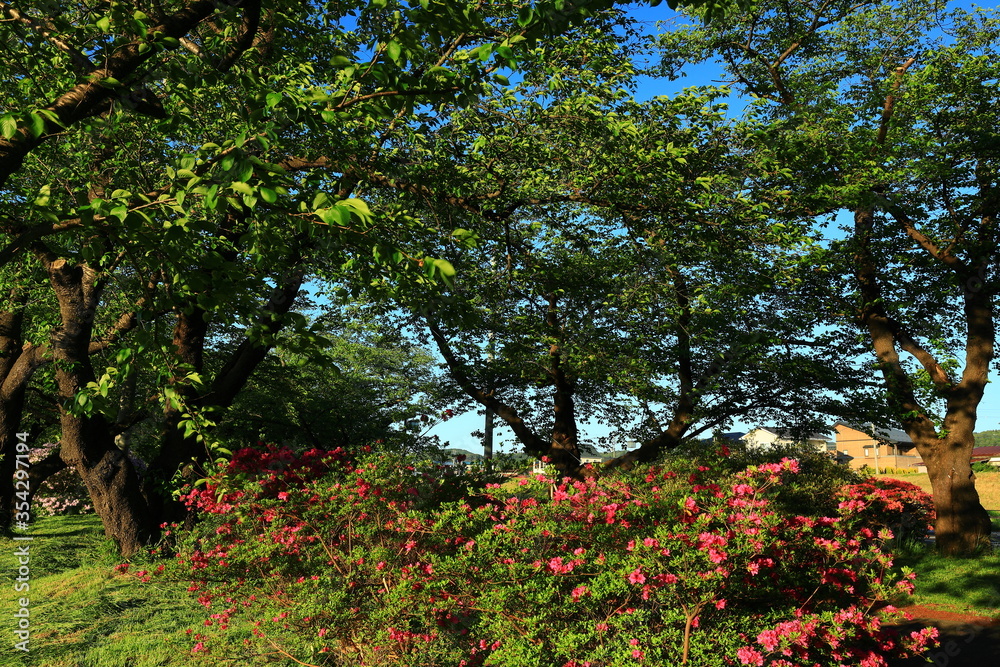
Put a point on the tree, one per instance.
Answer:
(615, 263)
(987, 438)
(871, 111)
(238, 118)
(368, 386)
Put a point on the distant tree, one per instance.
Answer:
(987, 438)
(625, 274)
(885, 111)
(367, 385)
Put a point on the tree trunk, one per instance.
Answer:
(178, 450)
(87, 440)
(564, 452)
(561, 448)
(18, 362)
(962, 525)
(42, 470)
(10, 424)
(111, 480)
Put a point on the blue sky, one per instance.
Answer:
(457, 431)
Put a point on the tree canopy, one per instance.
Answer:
(174, 177)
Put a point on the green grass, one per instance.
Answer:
(84, 614)
(964, 585)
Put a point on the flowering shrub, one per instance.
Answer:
(62, 492)
(883, 502)
(376, 562)
(811, 492)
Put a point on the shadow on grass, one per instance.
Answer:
(970, 584)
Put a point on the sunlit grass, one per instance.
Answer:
(966, 585)
(84, 614)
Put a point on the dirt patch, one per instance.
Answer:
(966, 640)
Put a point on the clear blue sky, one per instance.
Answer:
(457, 431)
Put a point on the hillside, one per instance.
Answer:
(987, 438)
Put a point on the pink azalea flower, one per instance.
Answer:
(637, 577)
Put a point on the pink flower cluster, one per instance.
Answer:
(883, 503)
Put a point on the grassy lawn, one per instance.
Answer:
(964, 585)
(84, 614)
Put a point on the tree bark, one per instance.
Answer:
(11, 401)
(18, 362)
(177, 451)
(564, 451)
(963, 526)
(44, 469)
(87, 440)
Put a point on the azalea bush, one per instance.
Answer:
(812, 491)
(62, 492)
(335, 560)
(885, 503)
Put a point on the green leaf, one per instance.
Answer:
(8, 126)
(272, 100)
(210, 197)
(103, 24)
(36, 124)
(320, 200)
(446, 271)
(268, 195)
(358, 206)
(336, 215)
(393, 50)
(242, 188)
(44, 194)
